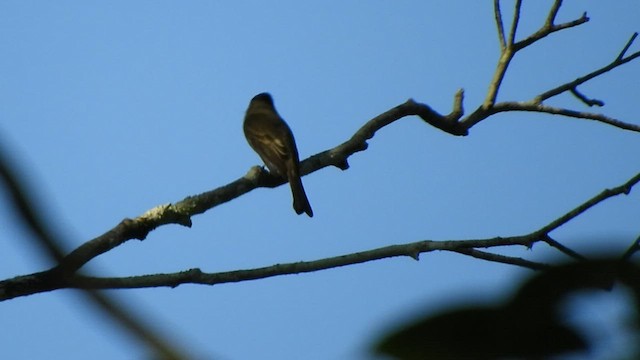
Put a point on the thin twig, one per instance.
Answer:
(551, 18)
(509, 50)
(635, 247)
(627, 46)
(548, 30)
(565, 250)
(605, 194)
(481, 114)
(514, 23)
(581, 80)
(497, 13)
(502, 259)
(585, 99)
(535, 107)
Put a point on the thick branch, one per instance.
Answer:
(582, 97)
(138, 228)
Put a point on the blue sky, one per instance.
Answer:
(112, 108)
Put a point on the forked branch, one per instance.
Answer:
(508, 51)
(35, 283)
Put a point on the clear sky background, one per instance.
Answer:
(112, 108)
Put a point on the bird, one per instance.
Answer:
(270, 136)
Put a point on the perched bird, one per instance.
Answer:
(270, 136)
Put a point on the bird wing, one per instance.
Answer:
(272, 144)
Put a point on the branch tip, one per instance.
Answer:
(514, 24)
(627, 46)
(499, 24)
(254, 173)
(458, 111)
(632, 249)
(563, 249)
(458, 99)
(589, 102)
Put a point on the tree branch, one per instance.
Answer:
(585, 99)
(509, 50)
(534, 107)
(635, 247)
(563, 249)
(502, 259)
(514, 23)
(605, 194)
(47, 280)
(551, 18)
(550, 28)
(536, 104)
(581, 80)
(627, 46)
(499, 24)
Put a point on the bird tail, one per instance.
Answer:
(300, 201)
